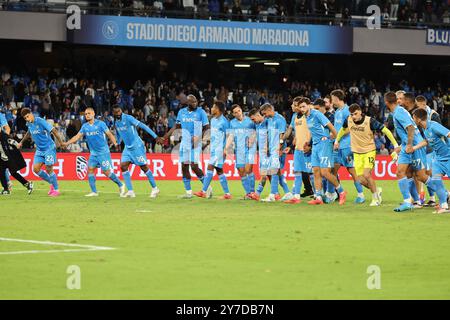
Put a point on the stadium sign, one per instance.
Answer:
(208, 34)
(73, 166)
(438, 37)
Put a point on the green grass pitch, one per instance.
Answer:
(171, 248)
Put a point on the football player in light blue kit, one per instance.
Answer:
(421, 102)
(94, 131)
(438, 138)
(261, 138)
(408, 158)
(276, 127)
(322, 151)
(344, 156)
(134, 152)
(192, 121)
(242, 133)
(219, 128)
(39, 130)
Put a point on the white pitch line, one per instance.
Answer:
(81, 247)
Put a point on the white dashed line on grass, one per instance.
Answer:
(76, 247)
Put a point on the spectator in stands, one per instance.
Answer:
(383, 151)
(394, 8)
(214, 7)
(236, 11)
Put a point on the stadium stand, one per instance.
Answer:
(395, 13)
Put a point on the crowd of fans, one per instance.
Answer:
(63, 100)
(410, 11)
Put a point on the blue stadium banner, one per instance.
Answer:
(438, 37)
(210, 34)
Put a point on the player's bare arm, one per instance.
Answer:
(409, 147)
(288, 133)
(74, 139)
(57, 137)
(332, 130)
(24, 139)
(111, 138)
(7, 129)
(170, 132)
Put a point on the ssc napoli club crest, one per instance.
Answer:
(110, 30)
(81, 167)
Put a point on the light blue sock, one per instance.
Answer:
(311, 178)
(7, 175)
(330, 187)
(318, 193)
(274, 184)
(283, 184)
(91, 178)
(54, 181)
(298, 183)
(251, 181)
(44, 176)
(150, 178)
(430, 191)
(358, 187)
(114, 179)
(403, 185)
(438, 186)
(325, 183)
(244, 181)
(430, 185)
(207, 180)
(224, 183)
(127, 178)
(339, 189)
(260, 188)
(413, 190)
(187, 184)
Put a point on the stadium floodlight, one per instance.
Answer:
(271, 63)
(241, 65)
(203, 55)
(399, 64)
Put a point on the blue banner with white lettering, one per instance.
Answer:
(210, 34)
(438, 37)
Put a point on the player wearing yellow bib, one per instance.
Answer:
(361, 129)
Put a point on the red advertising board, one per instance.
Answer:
(73, 166)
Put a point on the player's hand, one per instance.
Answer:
(64, 145)
(409, 148)
(394, 156)
(19, 145)
(336, 145)
(287, 150)
(160, 140)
